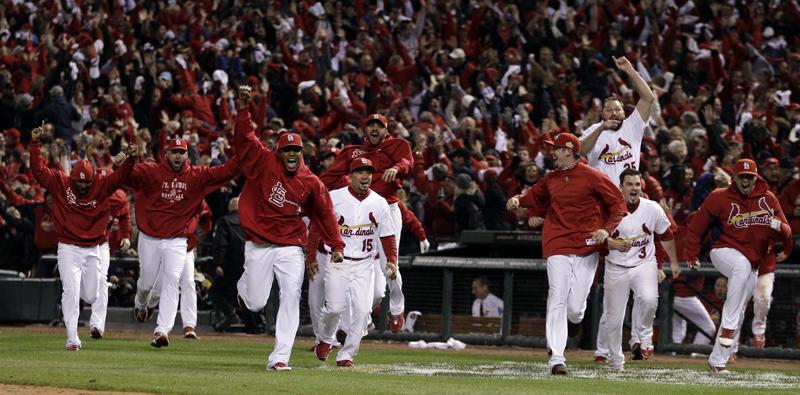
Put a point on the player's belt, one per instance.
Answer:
(347, 257)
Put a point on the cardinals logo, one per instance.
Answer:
(278, 195)
(356, 153)
(372, 220)
(646, 231)
(610, 158)
(740, 220)
(341, 220)
(624, 143)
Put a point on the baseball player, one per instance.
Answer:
(393, 160)
(80, 212)
(364, 222)
(120, 216)
(582, 208)
(631, 266)
(762, 297)
(168, 195)
(751, 219)
(279, 190)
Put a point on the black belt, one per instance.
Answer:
(346, 257)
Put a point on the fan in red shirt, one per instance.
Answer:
(168, 194)
(280, 189)
(581, 207)
(80, 212)
(393, 160)
(751, 220)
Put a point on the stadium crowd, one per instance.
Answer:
(476, 87)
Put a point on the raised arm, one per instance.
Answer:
(217, 176)
(117, 178)
(250, 153)
(41, 172)
(646, 96)
(782, 227)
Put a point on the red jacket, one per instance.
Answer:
(119, 226)
(391, 152)
(411, 222)
(745, 222)
(577, 202)
(78, 219)
(167, 201)
(788, 198)
(273, 200)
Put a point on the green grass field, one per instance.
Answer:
(236, 365)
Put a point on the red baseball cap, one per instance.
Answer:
(330, 151)
(565, 140)
(746, 166)
(178, 144)
(12, 132)
(105, 171)
(82, 171)
(377, 117)
(361, 163)
(289, 140)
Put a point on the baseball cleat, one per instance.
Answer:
(726, 337)
(759, 340)
(345, 363)
(96, 333)
(636, 349)
(159, 340)
(189, 333)
(73, 347)
(559, 370)
(549, 352)
(718, 369)
(648, 352)
(142, 315)
(732, 358)
(322, 350)
(396, 323)
(279, 366)
(601, 359)
(616, 369)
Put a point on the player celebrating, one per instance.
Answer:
(575, 198)
(364, 221)
(393, 160)
(168, 194)
(279, 190)
(80, 212)
(615, 144)
(751, 219)
(631, 265)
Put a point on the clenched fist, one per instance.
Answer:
(245, 92)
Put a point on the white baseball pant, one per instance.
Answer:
(569, 278)
(602, 348)
(79, 269)
(619, 281)
(696, 313)
(397, 301)
(164, 259)
(348, 286)
(188, 293)
(741, 282)
(262, 264)
(100, 306)
(762, 299)
(316, 293)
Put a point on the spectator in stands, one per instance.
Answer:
(486, 303)
(468, 205)
(60, 113)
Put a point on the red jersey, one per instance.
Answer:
(167, 201)
(745, 222)
(577, 201)
(391, 152)
(78, 219)
(119, 221)
(203, 215)
(273, 200)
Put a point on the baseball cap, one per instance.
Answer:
(82, 171)
(11, 132)
(565, 140)
(377, 117)
(289, 140)
(771, 161)
(330, 152)
(457, 53)
(178, 144)
(361, 163)
(104, 171)
(746, 166)
(187, 113)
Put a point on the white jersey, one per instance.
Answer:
(361, 222)
(492, 306)
(617, 151)
(639, 228)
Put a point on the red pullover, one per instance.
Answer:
(78, 219)
(745, 222)
(167, 201)
(119, 225)
(273, 200)
(578, 201)
(391, 152)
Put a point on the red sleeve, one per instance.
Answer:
(536, 197)
(41, 172)
(333, 176)
(405, 159)
(15, 199)
(411, 222)
(124, 218)
(697, 228)
(389, 248)
(217, 176)
(250, 153)
(321, 214)
(785, 233)
(613, 201)
(313, 243)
